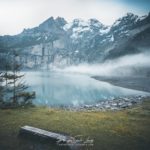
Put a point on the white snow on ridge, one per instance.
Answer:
(67, 26)
(95, 23)
(116, 23)
(81, 29)
(76, 51)
(77, 23)
(77, 32)
(81, 22)
(112, 38)
(46, 37)
(141, 18)
(38, 38)
(75, 35)
(105, 31)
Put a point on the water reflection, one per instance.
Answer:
(54, 89)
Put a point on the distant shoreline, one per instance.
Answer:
(135, 83)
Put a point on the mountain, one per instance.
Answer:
(131, 35)
(55, 42)
(87, 37)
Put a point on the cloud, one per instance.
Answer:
(16, 15)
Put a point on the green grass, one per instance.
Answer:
(121, 130)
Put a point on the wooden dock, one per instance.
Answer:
(45, 134)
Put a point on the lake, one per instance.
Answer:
(62, 89)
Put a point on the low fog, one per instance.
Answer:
(138, 65)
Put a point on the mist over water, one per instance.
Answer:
(57, 89)
(124, 66)
(73, 85)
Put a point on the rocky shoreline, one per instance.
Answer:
(115, 104)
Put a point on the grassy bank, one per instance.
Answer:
(125, 130)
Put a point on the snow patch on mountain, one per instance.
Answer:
(112, 38)
(80, 28)
(57, 42)
(127, 20)
(141, 18)
(67, 26)
(105, 31)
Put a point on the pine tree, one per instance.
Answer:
(15, 88)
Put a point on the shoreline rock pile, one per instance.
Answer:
(114, 104)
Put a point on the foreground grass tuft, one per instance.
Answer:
(127, 129)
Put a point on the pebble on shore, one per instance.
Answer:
(113, 104)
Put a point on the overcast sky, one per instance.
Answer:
(15, 15)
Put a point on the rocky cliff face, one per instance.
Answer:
(58, 43)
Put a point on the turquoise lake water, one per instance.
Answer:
(59, 89)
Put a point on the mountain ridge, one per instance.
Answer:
(57, 42)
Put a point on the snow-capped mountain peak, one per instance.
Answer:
(128, 19)
(76, 23)
(85, 28)
(95, 23)
(80, 40)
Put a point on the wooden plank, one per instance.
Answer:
(43, 133)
